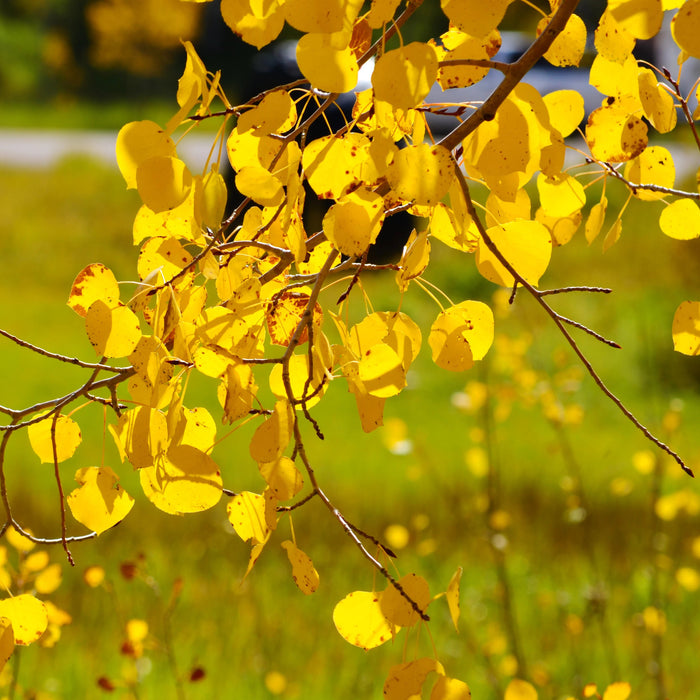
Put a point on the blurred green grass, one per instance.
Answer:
(240, 632)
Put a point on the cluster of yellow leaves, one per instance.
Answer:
(24, 618)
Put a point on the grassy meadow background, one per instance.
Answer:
(594, 530)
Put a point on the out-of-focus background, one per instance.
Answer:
(579, 540)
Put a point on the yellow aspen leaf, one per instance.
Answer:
(247, 148)
(284, 315)
(370, 409)
(615, 136)
(238, 391)
(617, 691)
(7, 641)
(302, 385)
(612, 41)
(450, 689)
(138, 142)
(185, 480)
(681, 220)
(161, 259)
(641, 18)
(93, 282)
(563, 228)
(463, 76)
(303, 572)
(454, 229)
(526, 245)
(566, 110)
(246, 513)
(685, 28)
(414, 258)
(257, 22)
(194, 426)
(176, 223)
(452, 596)
(520, 690)
(333, 165)
(473, 16)
(658, 104)
(274, 114)
(348, 226)
(561, 195)
(382, 12)
(403, 77)
(421, 174)
(406, 680)
(397, 609)
(595, 220)
(323, 16)
(615, 79)
(258, 184)
(568, 47)
(163, 182)
(359, 620)
(100, 502)
(654, 166)
(460, 335)
(141, 435)
(48, 580)
(112, 331)
(210, 195)
(272, 436)
(27, 615)
(686, 328)
(326, 66)
(66, 435)
(283, 478)
(381, 371)
(613, 235)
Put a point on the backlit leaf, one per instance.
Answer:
(560, 196)
(382, 12)
(246, 512)
(452, 596)
(274, 114)
(463, 76)
(526, 245)
(185, 480)
(7, 641)
(258, 184)
(403, 77)
(473, 16)
(421, 174)
(284, 315)
(303, 572)
(67, 437)
(138, 142)
(333, 165)
(568, 47)
(659, 106)
(596, 218)
(27, 615)
(94, 282)
(685, 27)
(450, 689)
(326, 66)
(414, 259)
(397, 609)
(324, 16)
(355, 221)
(100, 502)
(163, 182)
(615, 136)
(566, 110)
(257, 22)
(381, 371)
(360, 621)
(283, 478)
(272, 436)
(653, 166)
(681, 220)
(112, 331)
(641, 18)
(686, 328)
(406, 680)
(520, 690)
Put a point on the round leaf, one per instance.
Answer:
(67, 436)
(360, 621)
(27, 615)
